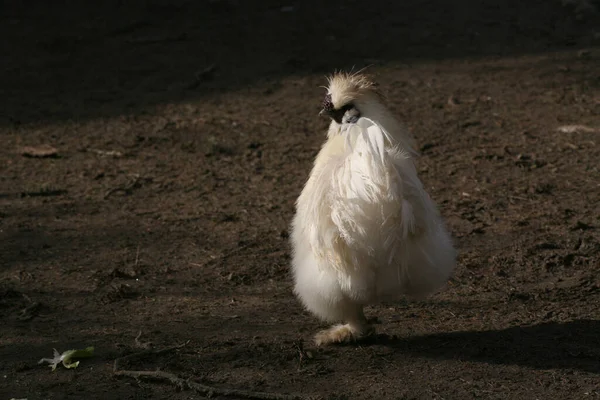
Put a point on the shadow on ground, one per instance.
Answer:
(570, 345)
(76, 60)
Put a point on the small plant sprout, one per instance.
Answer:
(67, 357)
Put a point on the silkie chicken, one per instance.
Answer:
(365, 230)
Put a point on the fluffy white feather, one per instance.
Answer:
(365, 230)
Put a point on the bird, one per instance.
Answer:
(365, 230)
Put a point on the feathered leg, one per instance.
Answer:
(355, 328)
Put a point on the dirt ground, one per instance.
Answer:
(184, 131)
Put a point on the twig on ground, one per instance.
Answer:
(145, 353)
(106, 153)
(188, 383)
(30, 311)
(205, 389)
(40, 151)
(576, 128)
(223, 256)
(135, 182)
(137, 256)
(140, 344)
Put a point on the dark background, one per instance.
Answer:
(182, 132)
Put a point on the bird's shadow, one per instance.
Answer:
(569, 345)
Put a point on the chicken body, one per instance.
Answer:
(365, 230)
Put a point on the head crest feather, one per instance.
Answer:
(344, 87)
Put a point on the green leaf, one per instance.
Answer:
(67, 356)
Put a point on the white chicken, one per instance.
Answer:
(365, 230)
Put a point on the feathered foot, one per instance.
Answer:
(343, 333)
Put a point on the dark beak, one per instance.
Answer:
(325, 113)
